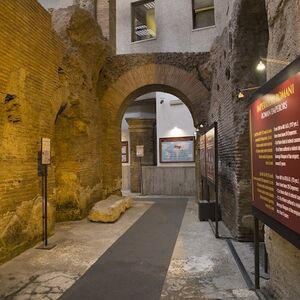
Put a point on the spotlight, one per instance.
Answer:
(261, 66)
(241, 95)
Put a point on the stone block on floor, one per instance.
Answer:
(110, 209)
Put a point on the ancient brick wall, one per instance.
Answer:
(126, 77)
(47, 89)
(233, 57)
(77, 140)
(30, 55)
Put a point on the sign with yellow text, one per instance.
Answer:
(275, 153)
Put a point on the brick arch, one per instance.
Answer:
(136, 82)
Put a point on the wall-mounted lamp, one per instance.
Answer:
(262, 66)
(241, 93)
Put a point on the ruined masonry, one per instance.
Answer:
(59, 78)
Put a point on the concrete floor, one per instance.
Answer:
(202, 267)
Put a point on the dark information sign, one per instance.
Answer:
(202, 155)
(210, 155)
(275, 152)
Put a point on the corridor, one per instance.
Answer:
(157, 250)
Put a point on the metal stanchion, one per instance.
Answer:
(44, 161)
(141, 167)
(256, 253)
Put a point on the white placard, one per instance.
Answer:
(46, 151)
(140, 151)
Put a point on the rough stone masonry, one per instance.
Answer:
(63, 85)
(47, 89)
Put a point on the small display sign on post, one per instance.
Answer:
(46, 151)
(202, 155)
(140, 151)
(140, 154)
(210, 155)
(209, 169)
(45, 161)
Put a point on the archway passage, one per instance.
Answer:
(132, 84)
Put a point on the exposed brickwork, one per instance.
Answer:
(136, 82)
(46, 90)
(62, 89)
(30, 75)
(194, 63)
(234, 57)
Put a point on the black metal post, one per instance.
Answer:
(141, 176)
(256, 253)
(45, 206)
(216, 181)
(43, 200)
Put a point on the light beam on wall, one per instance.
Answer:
(176, 131)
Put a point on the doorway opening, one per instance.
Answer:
(158, 146)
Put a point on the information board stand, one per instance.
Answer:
(44, 161)
(140, 154)
(209, 171)
(274, 121)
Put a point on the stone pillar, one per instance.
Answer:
(89, 5)
(141, 132)
(106, 17)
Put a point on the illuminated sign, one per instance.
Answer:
(275, 153)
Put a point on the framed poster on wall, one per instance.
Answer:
(125, 152)
(177, 150)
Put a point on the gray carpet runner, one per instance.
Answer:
(135, 266)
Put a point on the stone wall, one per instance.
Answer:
(47, 89)
(284, 44)
(77, 146)
(88, 5)
(233, 57)
(126, 77)
(29, 64)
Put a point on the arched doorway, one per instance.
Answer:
(131, 85)
(162, 125)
